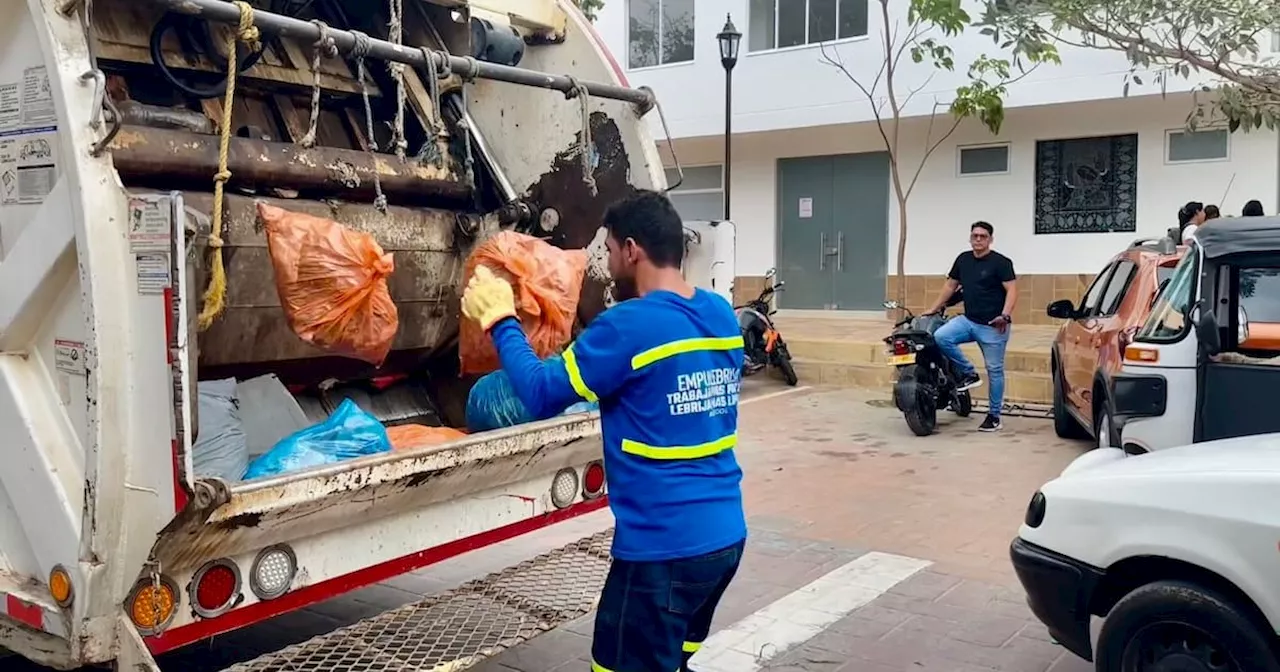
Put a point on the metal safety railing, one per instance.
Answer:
(419, 57)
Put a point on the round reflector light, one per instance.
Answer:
(593, 480)
(60, 586)
(152, 605)
(564, 488)
(273, 572)
(215, 588)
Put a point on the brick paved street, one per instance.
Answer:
(833, 479)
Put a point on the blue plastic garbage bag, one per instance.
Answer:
(493, 404)
(348, 433)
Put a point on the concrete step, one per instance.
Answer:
(866, 354)
(1019, 386)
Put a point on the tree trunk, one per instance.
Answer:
(902, 252)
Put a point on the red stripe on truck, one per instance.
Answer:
(339, 585)
(23, 612)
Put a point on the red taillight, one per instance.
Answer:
(216, 587)
(901, 348)
(593, 480)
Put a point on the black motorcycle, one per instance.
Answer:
(762, 343)
(926, 378)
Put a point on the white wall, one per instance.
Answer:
(943, 204)
(793, 88)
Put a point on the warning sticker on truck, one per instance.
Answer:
(28, 165)
(68, 356)
(150, 223)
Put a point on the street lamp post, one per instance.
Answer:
(729, 39)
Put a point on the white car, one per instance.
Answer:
(1177, 550)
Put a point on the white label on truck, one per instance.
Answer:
(28, 165)
(68, 356)
(37, 98)
(10, 106)
(150, 223)
(153, 273)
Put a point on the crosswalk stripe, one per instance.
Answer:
(796, 618)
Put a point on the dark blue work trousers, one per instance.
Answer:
(653, 616)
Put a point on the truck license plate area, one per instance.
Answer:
(459, 629)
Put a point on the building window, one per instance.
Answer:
(984, 160)
(1210, 145)
(701, 196)
(660, 32)
(777, 24)
(1087, 185)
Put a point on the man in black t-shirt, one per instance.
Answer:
(990, 291)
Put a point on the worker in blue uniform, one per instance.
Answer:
(665, 366)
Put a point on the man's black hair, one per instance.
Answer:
(991, 230)
(1253, 209)
(650, 219)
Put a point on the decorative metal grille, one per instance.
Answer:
(1087, 185)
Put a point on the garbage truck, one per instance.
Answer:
(137, 139)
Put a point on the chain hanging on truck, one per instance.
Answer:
(324, 47)
(395, 34)
(580, 92)
(437, 69)
(360, 51)
(215, 295)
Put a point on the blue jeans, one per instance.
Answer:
(992, 341)
(653, 616)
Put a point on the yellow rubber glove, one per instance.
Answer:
(488, 298)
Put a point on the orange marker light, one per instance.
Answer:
(1134, 353)
(60, 586)
(151, 607)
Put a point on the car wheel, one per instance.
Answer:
(1064, 425)
(1177, 625)
(1104, 426)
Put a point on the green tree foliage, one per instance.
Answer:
(922, 39)
(1228, 42)
(590, 7)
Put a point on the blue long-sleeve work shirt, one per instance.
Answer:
(665, 370)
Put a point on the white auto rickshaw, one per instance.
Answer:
(1206, 365)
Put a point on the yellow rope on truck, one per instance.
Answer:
(215, 295)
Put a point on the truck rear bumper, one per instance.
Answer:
(352, 524)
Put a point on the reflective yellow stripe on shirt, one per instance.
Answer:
(575, 376)
(692, 647)
(682, 346)
(680, 452)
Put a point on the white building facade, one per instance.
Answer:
(1078, 171)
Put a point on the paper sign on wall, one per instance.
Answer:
(806, 208)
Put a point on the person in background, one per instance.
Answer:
(1253, 209)
(665, 365)
(1211, 212)
(990, 292)
(1190, 217)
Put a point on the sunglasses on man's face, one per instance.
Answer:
(979, 236)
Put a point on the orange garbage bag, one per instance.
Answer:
(547, 281)
(404, 437)
(332, 283)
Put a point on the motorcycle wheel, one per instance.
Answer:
(963, 405)
(923, 419)
(785, 366)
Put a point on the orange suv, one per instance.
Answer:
(1089, 348)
